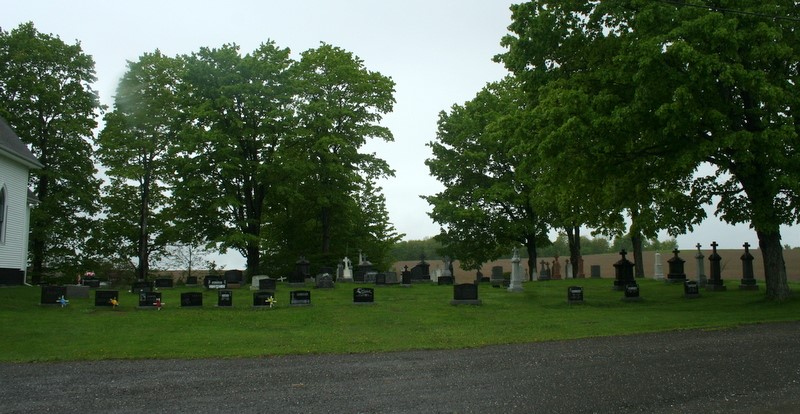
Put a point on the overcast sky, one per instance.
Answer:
(439, 53)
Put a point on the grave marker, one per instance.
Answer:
(632, 293)
(465, 294)
(266, 283)
(574, 294)
(363, 296)
(715, 282)
(215, 282)
(51, 294)
(164, 282)
(191, 299)
(105, 297)
(150, 300)
(748, 281)
(300, 298)
(263, 299)
(141, 286)
(225, 298)
(691, 289)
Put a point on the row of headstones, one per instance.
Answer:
(55, 295)
(624, 270)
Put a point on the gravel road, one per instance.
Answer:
(751, 369)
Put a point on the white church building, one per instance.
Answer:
(16, 201)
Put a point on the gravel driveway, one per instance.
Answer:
(752, 369)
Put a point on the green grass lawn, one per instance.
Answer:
(419, 317)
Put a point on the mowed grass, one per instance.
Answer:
(420, 317)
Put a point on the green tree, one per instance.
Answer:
(486, 207)
(46, 96)
(135, 147)
(671, 88)
(240, 112)
(340, 104)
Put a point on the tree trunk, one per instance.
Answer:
(326, 230)
(530, 246)
(144, 210)
(774, 265)
(636, 240)
(253, 258)
(574, 240)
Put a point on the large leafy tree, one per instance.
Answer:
(135, 147)
(488, 203)
(672, 88)
(46, 96)
(240, 112)
(340, 104)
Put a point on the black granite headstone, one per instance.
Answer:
(631, 292)
(149, 299)
(51, 294)
(234, 276)
(575, 294)
(191, 280)
(91, 282)
(380, 279)
(263, 299)
(104, 297)
(191, 299)
(466, 294)
(225, 298)
(267, 284)
(445, 280)
(691, 289)
(164, 282)
(363, 295)
(300, 298)
(215, 282)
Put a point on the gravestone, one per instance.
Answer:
(691, 289)
(421, 271)
(702, 280)
(91, 281)
(163, 282)
(142, 286)
(300, 298)
(405, 277)
(445, 281)
(658, 271)
(302, 270)
(255, 282)
(556, 275)
(595, 272)
(574, 294)
(347, 270)
(623, 270)
(77, 292)
(465, 294)
(234, 277)
(105, 297)
(581, 275)
(52, 294)
(380, 279)
(676, 274)
(544, 271)
(191, 281)
(391, 278)
(363, 296)
(150, 300)
(497, 279)
(263, 299)
(715, 282)
(224, 298)
(748, 281)
(267, 284)
(191, 299)
(632, 293)
(515, 285)
(324, 281)
(215, 282)
(369, 277)
(568, 270)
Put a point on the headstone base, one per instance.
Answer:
(466, 302)
(515, 289)
(671, 280)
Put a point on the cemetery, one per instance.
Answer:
(315, 313)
